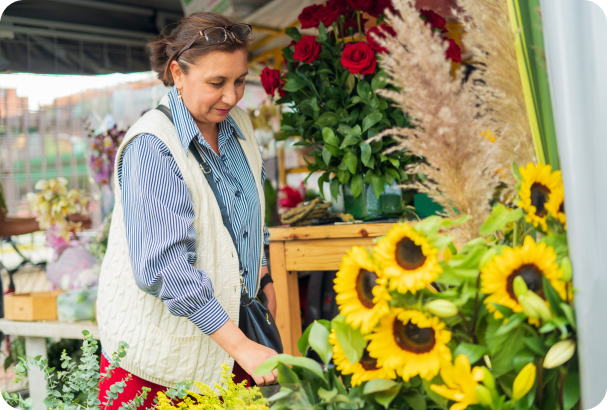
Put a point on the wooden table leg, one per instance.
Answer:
(288, 319)
(36, 346)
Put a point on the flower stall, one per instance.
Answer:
(472, 306)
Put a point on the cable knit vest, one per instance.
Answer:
(163, 348)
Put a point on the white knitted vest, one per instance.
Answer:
(166, 349)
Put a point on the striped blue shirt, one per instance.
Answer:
(159, 216)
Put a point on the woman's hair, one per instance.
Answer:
(164, 49)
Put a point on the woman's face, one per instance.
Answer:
(213, 85)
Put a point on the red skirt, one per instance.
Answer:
(135, 384)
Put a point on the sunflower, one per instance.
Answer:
(556, 207)
(361, 290)
(540, 191)
(532, 262)
(364, 370)
(410, 343)
(460, 383)
(408, 259)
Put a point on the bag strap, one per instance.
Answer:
(208, 174)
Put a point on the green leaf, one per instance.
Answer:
(364, 90)
(377, 385)
(366, 152)
(294, 83)
(322, 32)
(293, 33)
(378, 183)
(351, 162)
(569, 314)
(327, 119)
(380, 80)
(326, 155)
(355, 131)
(370, 120)
(571, 390)
(439, 400)
(499, 218)
(303, 362)
(335, 184)
(503, 347)
(329, 136)
(302, 343)
(513, 321)
(473, 352)
(415, 400)
(552, 297)
(356, 185)
(349, 83)
(286, 375)
(327, 395)
(351, 340)
(349, 140)
(319, 342)
(536, 345)
(343, 176)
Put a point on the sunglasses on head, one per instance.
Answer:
(218, 35)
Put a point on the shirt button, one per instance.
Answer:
(237, 194)
(244, 235)
(244, 272)
(223, 157)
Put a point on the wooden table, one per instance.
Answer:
(35, 334)
(309, 248)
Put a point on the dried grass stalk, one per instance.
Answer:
(459, 163)
(497, 82)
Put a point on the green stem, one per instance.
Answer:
(515, 235)
(360, 32)
(336, 31)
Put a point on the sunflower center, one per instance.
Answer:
(539, 197)
(409, 255)
(562, 208)
(367, 362)
(532, 275)
(365, 282)
(412, 338)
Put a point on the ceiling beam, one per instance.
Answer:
(71, 36)
(82, 28)
(121, 8)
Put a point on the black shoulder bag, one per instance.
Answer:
(255, 321)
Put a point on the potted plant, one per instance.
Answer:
(329, 90)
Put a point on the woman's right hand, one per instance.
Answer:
(247, 353)
(251, 356)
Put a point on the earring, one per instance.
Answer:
(178, 94)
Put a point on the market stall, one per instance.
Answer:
(440, 209)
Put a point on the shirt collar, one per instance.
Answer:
(187, 129)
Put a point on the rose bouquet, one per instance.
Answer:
(329, 90)
(54, 203)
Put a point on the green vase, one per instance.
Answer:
(425, 207)
(368, 207)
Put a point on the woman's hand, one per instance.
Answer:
(251, 356)
(247, 353)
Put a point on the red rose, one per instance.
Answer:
(363, 5)
(379, 7)
(454, 52)
(281, 88)
(270, 80)
(375, 31)
(306, 49)
(358, 58)
(309, 16)
(328, 15)
(434, 20)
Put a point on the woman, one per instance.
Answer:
(170, 285)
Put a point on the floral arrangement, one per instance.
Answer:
(76, 386)
(488, 324)
(330, 90)
(104, 146)
(54, 203)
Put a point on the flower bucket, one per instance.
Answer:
(367, 206)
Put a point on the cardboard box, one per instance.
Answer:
(31, 306)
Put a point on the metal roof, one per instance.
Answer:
(101, 37)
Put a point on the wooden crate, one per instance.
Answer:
(31, 306)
